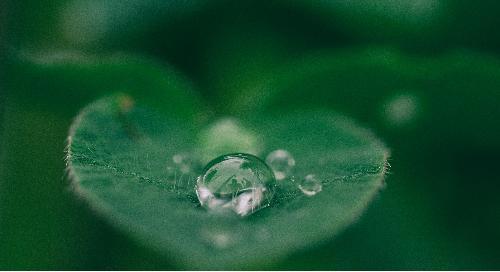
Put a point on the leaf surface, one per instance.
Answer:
(118, 160)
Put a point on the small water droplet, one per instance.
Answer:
(282, 163)
(185, 163)
(239, 182)
(310, 185)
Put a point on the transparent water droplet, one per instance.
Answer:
(185, 163)
(282, 163)
(239, 182)
(310, 185)
(249, 201)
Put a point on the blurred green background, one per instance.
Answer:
(424, 75)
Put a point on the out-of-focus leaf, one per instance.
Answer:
(402, 95)
(418, 24)
(94, 25)
(69, 80)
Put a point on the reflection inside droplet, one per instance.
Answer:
(239, 182)
(249, 201)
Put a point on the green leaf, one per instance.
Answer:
(117, 23)
(91, 24)
(43, 92)
(237, 50)
(117, 160)
(67, 80)
(407, 98)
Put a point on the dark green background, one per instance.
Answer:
(440, 209)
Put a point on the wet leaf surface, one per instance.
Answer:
(118, 160)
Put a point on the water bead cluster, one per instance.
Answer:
(282, 163)
(243, 183)
(240, 183)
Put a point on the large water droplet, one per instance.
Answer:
(310, 185)
(239, 182)
(282, 163)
